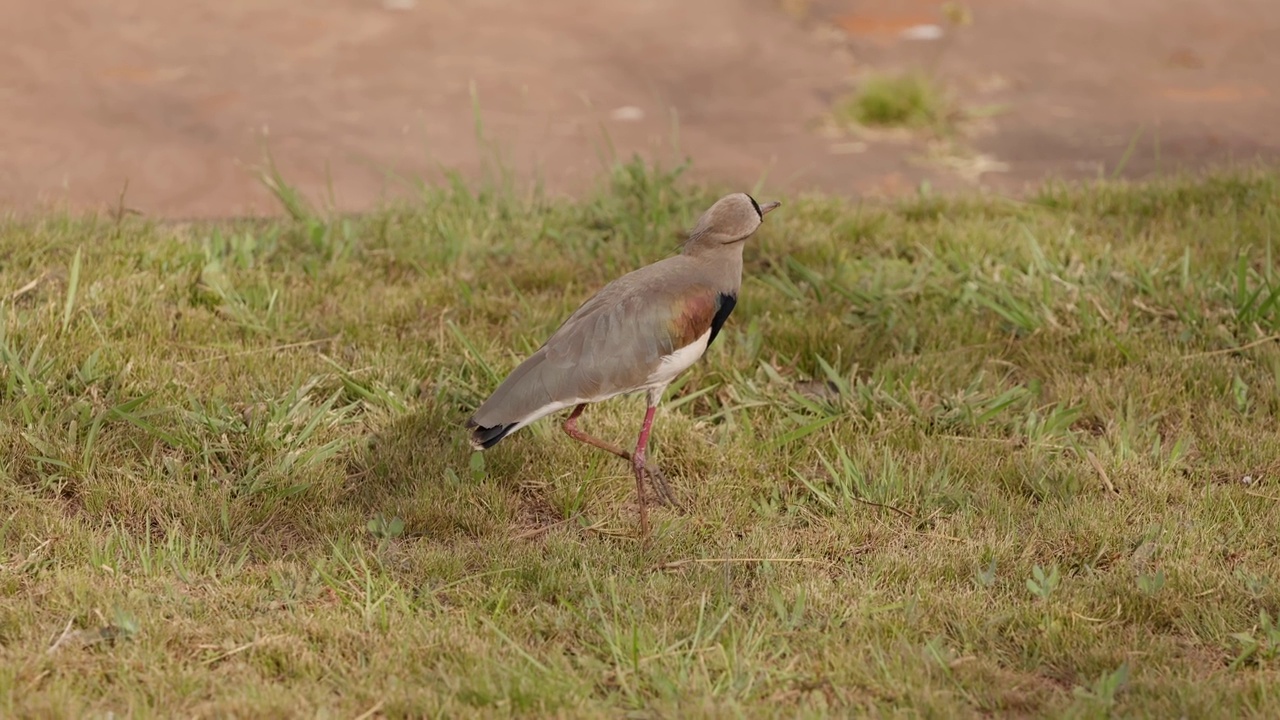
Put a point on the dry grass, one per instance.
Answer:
(951, 458)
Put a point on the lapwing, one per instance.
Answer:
(637, 334)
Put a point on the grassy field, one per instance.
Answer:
(949, 459)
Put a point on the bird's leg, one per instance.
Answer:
(656, 476)
(571, 429)
(637, 461)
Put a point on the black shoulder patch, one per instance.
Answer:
(723, 308)
(755, 205)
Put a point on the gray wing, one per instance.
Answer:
(611, 344)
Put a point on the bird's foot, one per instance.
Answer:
(661, 488)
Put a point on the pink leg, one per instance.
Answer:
(660, 486)
(637, 462)
(571, 429)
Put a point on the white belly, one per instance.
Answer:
(678, 361)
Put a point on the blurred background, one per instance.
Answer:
(358, 100)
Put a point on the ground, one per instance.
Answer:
(366, 97)
(1007, 454)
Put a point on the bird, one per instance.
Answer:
(636, 334)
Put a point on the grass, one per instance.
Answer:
(952, 458)
(910, 100)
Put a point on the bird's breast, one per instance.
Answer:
(681, 359)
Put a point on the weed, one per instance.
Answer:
(1043, 582)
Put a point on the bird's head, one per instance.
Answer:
(731, 220)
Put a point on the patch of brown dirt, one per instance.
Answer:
(365, 96)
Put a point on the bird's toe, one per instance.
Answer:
(661, 488)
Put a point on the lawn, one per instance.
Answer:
(949, 458)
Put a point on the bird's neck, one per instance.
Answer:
(722, 265)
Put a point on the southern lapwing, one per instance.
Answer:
(637, 334)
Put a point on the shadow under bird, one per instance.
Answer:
(638, 333)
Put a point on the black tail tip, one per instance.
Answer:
(483, 438)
